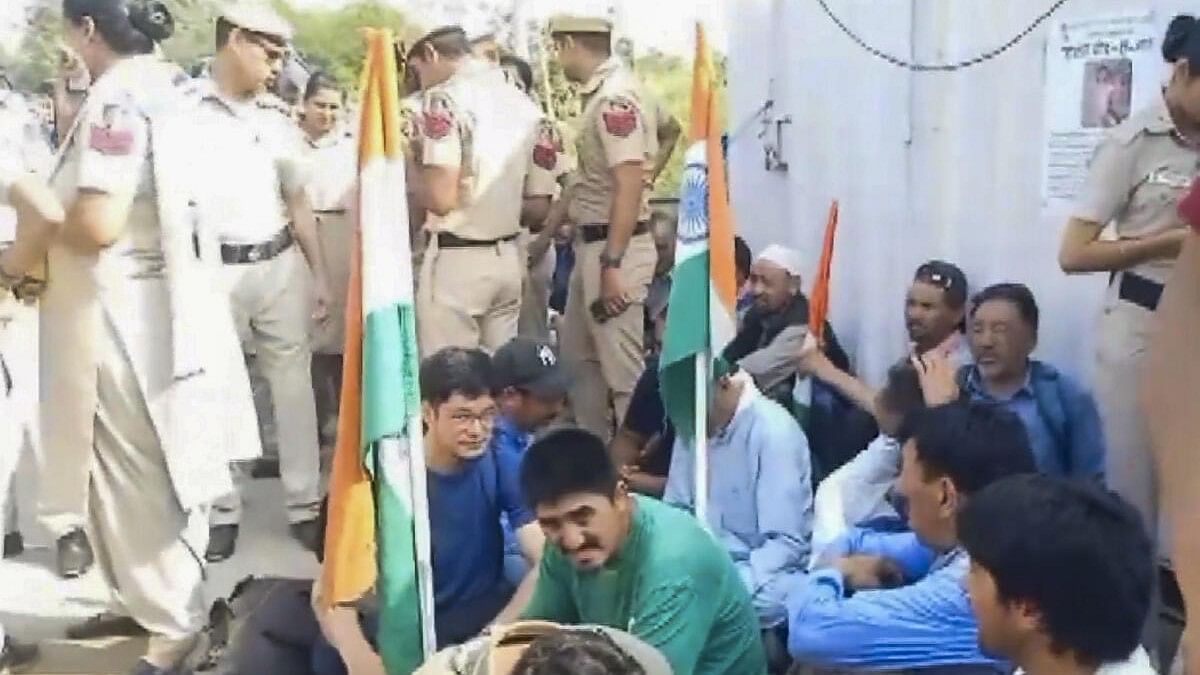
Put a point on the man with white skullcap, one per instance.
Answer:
(772, 335)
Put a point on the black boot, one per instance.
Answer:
(222, 542)
(74, 555)
(14, 544)
(308, 533)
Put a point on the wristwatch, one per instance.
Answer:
(610, 262)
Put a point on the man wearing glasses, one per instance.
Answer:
(255, 201)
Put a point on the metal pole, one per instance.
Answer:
(700, 489)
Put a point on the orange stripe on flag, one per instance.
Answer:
(818, 307)
(350, 569)
(706, 126)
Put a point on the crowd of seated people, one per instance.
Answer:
(859, 567)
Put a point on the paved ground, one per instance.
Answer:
(36, 605)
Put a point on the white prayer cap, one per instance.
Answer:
(783, 257)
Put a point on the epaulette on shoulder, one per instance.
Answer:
(273, 102)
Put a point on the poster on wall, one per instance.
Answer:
(1099, 70)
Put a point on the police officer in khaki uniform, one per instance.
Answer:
(140, 359)
(478, 136)
(1136, 178)
(258, 203)
(614, 252)
(23, 249)
(333, 157)
(23, 151)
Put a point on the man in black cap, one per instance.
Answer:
(530, 388)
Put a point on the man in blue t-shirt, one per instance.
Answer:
(470, 486)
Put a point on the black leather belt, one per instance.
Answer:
(447, 240)
(594, 232)
(1139, 290)
(247, 254)
(329, 212)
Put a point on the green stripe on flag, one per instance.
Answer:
(687, 335)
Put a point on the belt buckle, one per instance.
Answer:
(253, 255)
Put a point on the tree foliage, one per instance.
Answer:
(332, 40)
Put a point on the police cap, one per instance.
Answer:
(257, 17)
(565, 23)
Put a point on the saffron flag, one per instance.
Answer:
(371, 537)
(818, 302)
(702, 318)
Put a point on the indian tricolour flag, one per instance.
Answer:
(378, 534)
(702, 317)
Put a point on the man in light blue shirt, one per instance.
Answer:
(896, 601)
(760, 498)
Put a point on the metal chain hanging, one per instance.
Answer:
(940, 67)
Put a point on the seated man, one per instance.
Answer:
(894, 601)
(1060, 576)
(861, 490)
(1059, 414)
(633, 563)
(934, 311)
(643, 443)
(759, 496)
(766, 346)
(470, 485)
(530, 389)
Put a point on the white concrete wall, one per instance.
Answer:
(925, 165)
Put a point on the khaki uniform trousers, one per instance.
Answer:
(272, 310)
(1130, 471)
(18, 421)
(534, 321)
(148, 550)
(469, 297)
(336, 231)
(606, 358)
(10, 435)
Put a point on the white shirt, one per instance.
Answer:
(1137, 664)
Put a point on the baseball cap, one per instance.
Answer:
(531, 366)
(944, 275)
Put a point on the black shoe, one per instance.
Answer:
(265, 467)
(74, 555)
(222, 542)
(14, 544)
(16, 657)
(104, 626)
(308, 533)
(145, 668)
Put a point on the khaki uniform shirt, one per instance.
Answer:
(123, 286)
(618, 125)
(333, 171)
(477, 122)
(1137, 176)
(256, 162)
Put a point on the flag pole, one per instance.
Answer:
(700, 489)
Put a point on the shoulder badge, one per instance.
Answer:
(274, 103)
(620, 115)
(549, 145)
(437, 116)
(107, 137)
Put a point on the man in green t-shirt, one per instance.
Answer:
(634, 564)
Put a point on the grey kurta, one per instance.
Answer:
(124, 378)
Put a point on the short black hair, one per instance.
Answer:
(1018, 294)
(902, 392)
(973, 444)
(742, 257)
(319, 81)
(127, 26)
(448, 41)
(576, 652)
(454, 370)
(1182, 41)
(1076, 551)
(946, 276)
(564, 462)
(524, 70)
